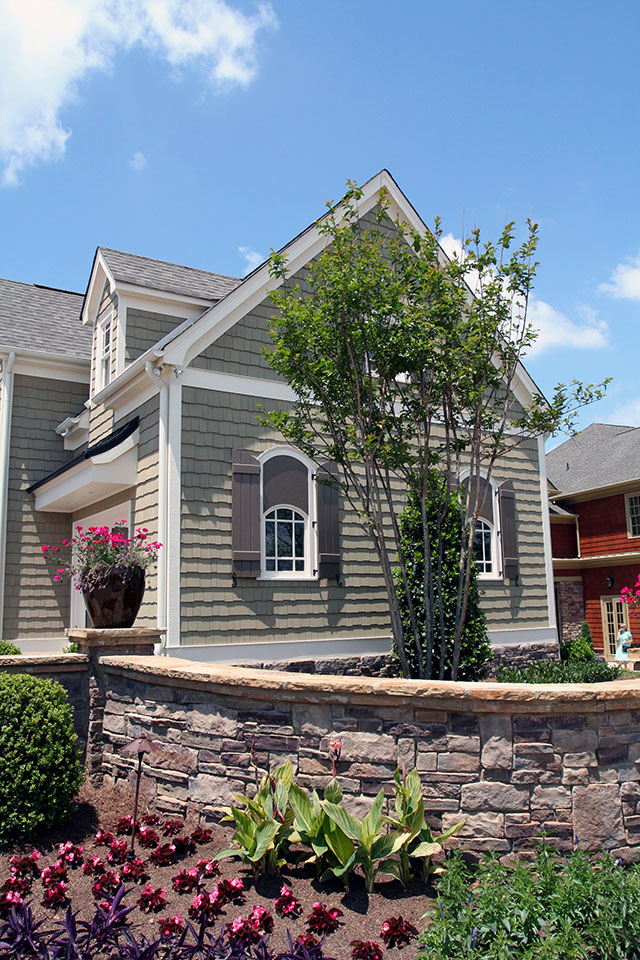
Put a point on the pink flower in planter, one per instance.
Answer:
(335, 749)
(396, 931)
(55, 895)
(70, 853)
(171, 926)
(323, 919)
(54, 873)
(286, 904)
(152, 898)
(366, 950)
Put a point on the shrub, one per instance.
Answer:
(8, 649)
(475, 649)
(553, 671)
(559, 910)
(40, 768)
(580, 648)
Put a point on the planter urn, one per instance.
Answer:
(115, 603)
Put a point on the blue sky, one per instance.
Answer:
(207, 133)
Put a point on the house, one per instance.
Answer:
(138, 403)
(594, 495)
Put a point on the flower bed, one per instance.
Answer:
(163, 884)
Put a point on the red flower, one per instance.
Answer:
(8, 900)
(106, 884)
(148, 837)
(208, 868)
(366, 950)
(201, 836)
(323, 920)
(397, 931)
(134, 870)
(228, 891)
(54, 873)
(205, 905)
(55, 895)
(184, 845)
(26, 865)
(118, 850)
(306, 940)
(18, 884)
(170, 926)
(152, 899)
(104, 838)
(164, 855)
(151, 818)
(171, 827)
(125, 824)
(186, 881)
(70, 853)
(93, 865)
(286, 904)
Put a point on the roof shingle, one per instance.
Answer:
(169, 277)
(599, 456)
(42, 320)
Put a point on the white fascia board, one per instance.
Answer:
(113, 389)
(195, 338)
(238, 385)
(74, 430)
(70, 369)
(157, 300)
(546, 533)
(88, 482)
(100, 274)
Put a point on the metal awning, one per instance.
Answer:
(101, 470)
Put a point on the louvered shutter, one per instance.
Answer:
(486, 498)
(245, 521)
(509, 538)
(328, 527)
(285, 480)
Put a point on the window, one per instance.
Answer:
(483, 547)
(632, 504)
(104, 344)
(284, 540)
(285, 514)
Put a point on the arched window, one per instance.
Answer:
(483, 547)
(285, 540)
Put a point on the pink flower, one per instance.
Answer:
(395, 931)
(323, 919)
(286, 904)
(152, 898)
(170, 926)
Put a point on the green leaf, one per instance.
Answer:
(333, 792)
(264, 839)
(386, 845)
(425, 850)
(451, 831)
(302, 808)
(345, 820)
(338, 842)
(372, 823)
(284, 774)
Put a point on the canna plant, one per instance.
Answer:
(263, 827)
(373, 846)
(334, 853)
(419, 842)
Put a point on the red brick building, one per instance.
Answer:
(594, 493)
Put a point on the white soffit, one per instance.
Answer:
(92, 480)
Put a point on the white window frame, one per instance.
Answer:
(104, 355)
(496, 534)
(310, 571)
(629, 518)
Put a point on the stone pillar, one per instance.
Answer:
(570, 597)
(132, 641)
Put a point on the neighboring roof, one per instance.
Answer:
(42, 320)
(601, 455)
(117, 436)
(169, 277)
(557, 511)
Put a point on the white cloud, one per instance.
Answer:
(138, 161)
(252, 259)
(555, 329)
(48, 47)
(627, 414)
(625, 280)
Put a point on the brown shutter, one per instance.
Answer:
(285, 480)
(245, 521)
(328, 528)
(486, 498)
(510, 562)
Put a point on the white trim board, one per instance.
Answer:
(239, 653)
(524, 635)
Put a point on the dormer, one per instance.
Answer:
(132, 302)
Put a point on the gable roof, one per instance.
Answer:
(601, 455)
(169, 277)
(42, 320)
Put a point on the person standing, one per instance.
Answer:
(624, 642)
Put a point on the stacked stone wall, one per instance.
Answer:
(570, 595)
(513, 760)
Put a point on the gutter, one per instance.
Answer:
(6, 406)
(155, 375)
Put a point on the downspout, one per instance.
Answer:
(154, 373)
(6, 405)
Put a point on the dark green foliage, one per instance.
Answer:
(580, 648)
(550, 909)
(475, 649)
(552, 671)
(40, 768)
(8, 649)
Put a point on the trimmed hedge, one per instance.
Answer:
(40, 769)
(8, 649)
(554, 671)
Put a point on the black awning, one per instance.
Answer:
(114, 438)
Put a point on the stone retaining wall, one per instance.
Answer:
(513, 758)
(69, 669)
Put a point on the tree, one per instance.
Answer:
(398, 369)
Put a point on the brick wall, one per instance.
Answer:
(571, 610)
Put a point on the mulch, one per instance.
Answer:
(363, 913)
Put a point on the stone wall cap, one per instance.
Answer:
(124, 635)
(43, 659)
(483, 697)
